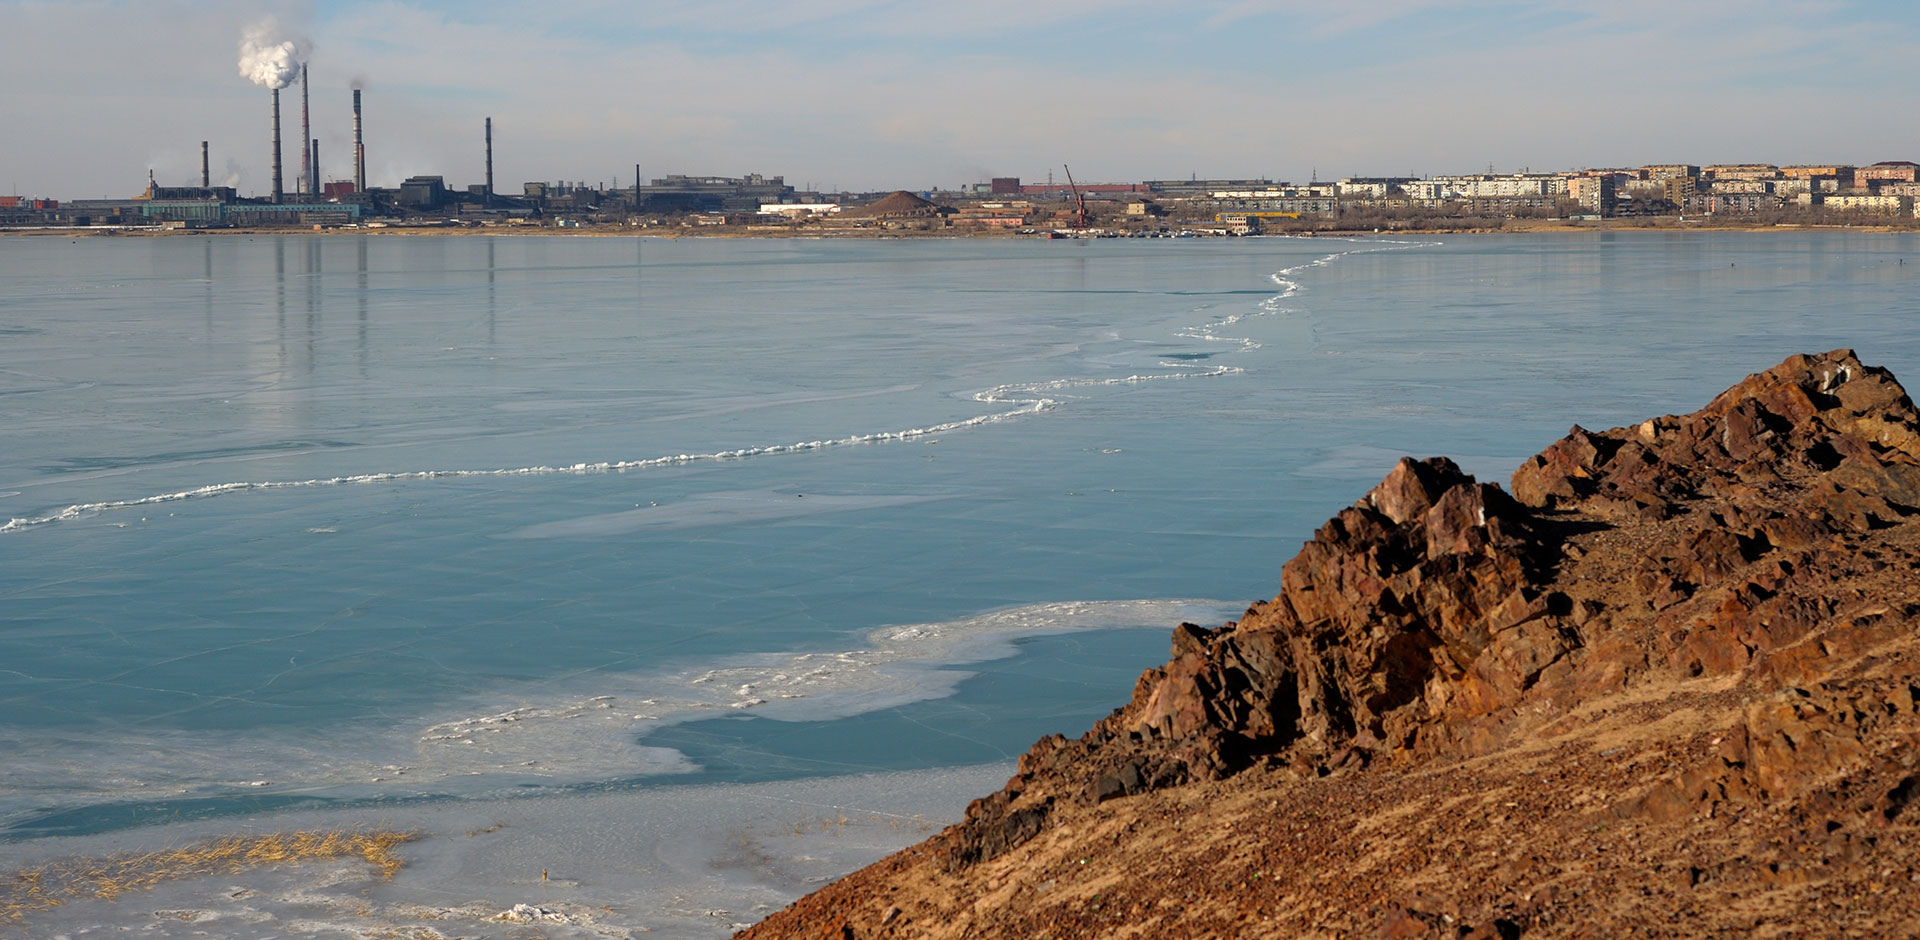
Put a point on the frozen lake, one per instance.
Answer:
(620, 542)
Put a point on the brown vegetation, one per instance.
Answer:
(54, 883)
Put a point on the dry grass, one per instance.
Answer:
(54, 883)
(839, 824)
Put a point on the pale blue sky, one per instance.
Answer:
(875, 95)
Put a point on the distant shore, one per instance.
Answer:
(1511, 226)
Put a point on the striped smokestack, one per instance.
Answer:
(308, 175)
(359, 150)
(277, 194)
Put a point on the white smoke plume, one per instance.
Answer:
(266, 58)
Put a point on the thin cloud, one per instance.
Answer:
(1321, 20)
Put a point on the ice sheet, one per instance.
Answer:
(673, 862)
(561, 732)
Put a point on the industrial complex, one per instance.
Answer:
(1753, 193)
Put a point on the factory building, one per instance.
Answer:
(205, 212)
(713, 193)
(423, 192)
(1200, 187)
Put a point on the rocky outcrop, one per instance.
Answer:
(1731, 596)
(1422, 599)
(1827, 414)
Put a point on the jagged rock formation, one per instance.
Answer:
(1676, 671)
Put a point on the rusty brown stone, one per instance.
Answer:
(1677, 669)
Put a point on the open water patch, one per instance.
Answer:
(1058, 684)
(597, 728)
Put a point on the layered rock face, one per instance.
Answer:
(1697, 634)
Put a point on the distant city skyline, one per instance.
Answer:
(865, 95)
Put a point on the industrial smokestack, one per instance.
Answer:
(307, 174)
(277, 194)
(206, 178)
(315, 164)
(359, 150)
(489, 161)
(273, 63)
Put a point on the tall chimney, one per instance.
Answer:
(306, 134)
(359, 150)
(489, 197)
(277, 198)
(315, 165)
(206, 179)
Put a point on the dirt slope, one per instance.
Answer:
(1669, 685)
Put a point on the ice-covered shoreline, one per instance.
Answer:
(693, 861)
(585, 731)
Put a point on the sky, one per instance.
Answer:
(886, 94)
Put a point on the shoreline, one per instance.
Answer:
(671, 862)
(1662, 225)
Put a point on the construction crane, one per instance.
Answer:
(1080, 214)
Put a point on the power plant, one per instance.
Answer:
(274, 62)
(417, 200)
